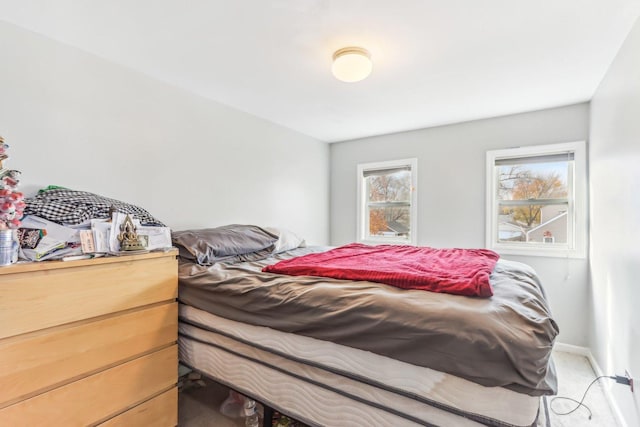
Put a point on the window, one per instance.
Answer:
(387, 202)
(536, 200)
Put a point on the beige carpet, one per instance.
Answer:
(199, 405)
(574, 375)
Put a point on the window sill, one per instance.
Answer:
(540, 252)
(385, 242)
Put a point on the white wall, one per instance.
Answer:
(451, 192)
(615, 223)
(75, 120)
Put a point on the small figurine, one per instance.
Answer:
(128, 237)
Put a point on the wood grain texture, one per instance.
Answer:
(161, 411)
(97, 397)
(50, 296)
(82, 342)
(25, 267)
(38, 361)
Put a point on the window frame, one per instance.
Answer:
(576, 246)
(362, 218)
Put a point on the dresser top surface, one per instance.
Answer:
(23, 267)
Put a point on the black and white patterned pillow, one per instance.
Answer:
(66, 206)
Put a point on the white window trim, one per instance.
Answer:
(576, 237)
(363, 222)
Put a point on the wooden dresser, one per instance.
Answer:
(89, 342)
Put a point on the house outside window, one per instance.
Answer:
(536, 200)
(387, 202)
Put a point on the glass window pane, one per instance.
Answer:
(387, 201)
(533, 223)
(534, 180)
(391, 187)
(535, 200)
(390, 222)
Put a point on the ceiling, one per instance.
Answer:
(435, 61)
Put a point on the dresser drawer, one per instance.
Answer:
(54, 296)
(38, 361)
(161, 411)
(98, 397)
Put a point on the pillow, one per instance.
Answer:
(287, 239)
(210, 245)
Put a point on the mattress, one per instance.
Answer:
(323, 383)
(502, 341)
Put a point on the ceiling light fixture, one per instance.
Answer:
(351, 64)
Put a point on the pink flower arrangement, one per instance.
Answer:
(11, 201)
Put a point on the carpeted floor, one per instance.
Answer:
(199, 407)
(574, 376)
(199, 402)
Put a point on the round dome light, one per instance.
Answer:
(351, 64)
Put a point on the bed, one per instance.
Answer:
(332, 352)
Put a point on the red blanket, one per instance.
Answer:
(454, 271)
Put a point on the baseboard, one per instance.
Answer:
(573, 349)
(584, 351)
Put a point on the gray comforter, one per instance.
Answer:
(505, 340)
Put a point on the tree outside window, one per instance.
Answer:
(536, 200)
(533, 198)
(387, 201)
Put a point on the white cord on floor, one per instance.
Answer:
(580, 403)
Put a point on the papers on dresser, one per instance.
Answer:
(70, 249)
(46, 246)
(155, 237)
(61, 241)
(101, 229)
(58, 241)
(55, 231)
(103, 236)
